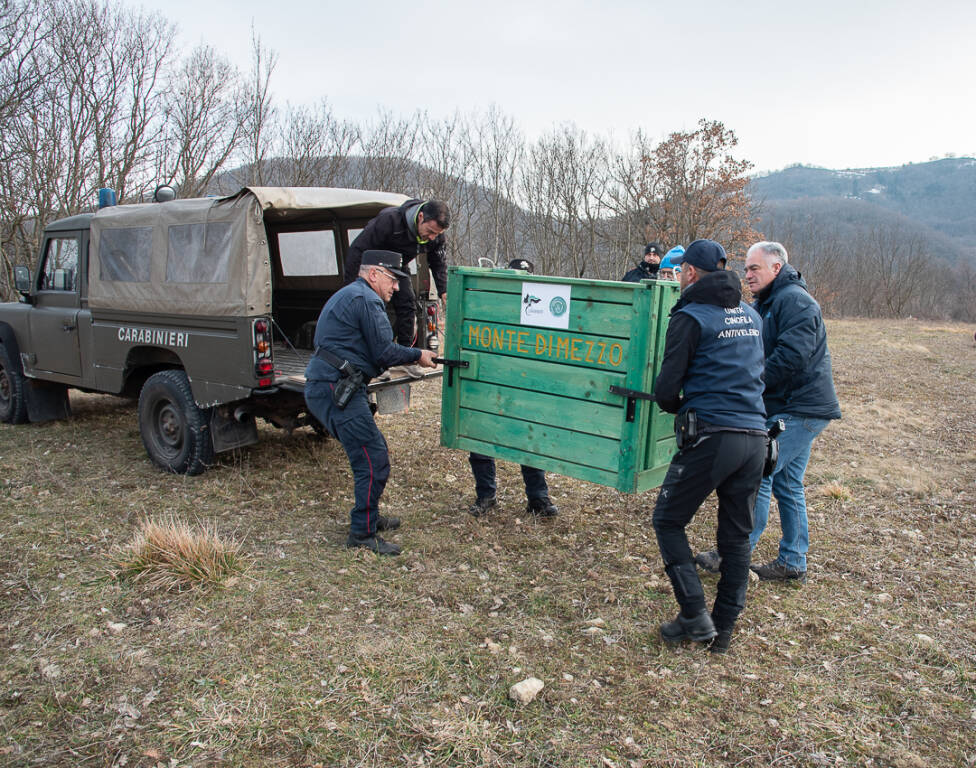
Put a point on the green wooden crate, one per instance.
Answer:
(542, 354)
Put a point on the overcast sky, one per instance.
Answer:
(835, 83)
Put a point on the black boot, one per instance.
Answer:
(374, 544)
(384, 523)
(721, 642)
(542, 507)
(699, 629)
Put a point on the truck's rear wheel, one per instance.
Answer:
(13, 398)
(175, 431)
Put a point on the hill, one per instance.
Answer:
(939, 195)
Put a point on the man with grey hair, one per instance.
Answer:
(799, 389)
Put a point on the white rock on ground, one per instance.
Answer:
(527, 690)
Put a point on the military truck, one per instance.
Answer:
(203, 308)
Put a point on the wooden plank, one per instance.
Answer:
(587, 417)
(650, 478)
(568, 347)
(583, 290)
(450, 391)
(594, 317)
(542, 439)
(587, 384)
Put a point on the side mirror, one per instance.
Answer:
(22, 279)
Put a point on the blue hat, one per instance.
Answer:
(704, 255)
(672, 260)
(390, 260)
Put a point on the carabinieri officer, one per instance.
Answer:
(353, 344)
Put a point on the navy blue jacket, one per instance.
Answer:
(643, 271)
(713, 354)
(354, 325)
(395, 229)
(798, 378)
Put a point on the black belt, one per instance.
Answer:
(343, 366)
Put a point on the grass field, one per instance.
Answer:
(318, 655)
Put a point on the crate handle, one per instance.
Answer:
(632, 396)
(451, 365)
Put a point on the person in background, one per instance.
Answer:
(671, 264)
(483, 468)
(647, 267)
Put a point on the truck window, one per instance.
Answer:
(198, 253)
(304, 254)
(125, 254)
(60, 269)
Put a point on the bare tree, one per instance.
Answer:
(700, 188)
(316, 147)
(388, 145)
(90, 115)
(497, 149)
(205, 125)
(444, 167)
(258, 112)
(563, 188)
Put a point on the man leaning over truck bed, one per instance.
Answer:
(408, 229)
(353, 344)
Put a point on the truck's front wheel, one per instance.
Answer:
(175, 431)
(13, 399)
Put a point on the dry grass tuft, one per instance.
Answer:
(171, 555)
(835, 491)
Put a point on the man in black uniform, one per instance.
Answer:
(409, 229)
(647, 267)
(713, 357)
(483, 467)
(354, 343)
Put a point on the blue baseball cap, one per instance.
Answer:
(706, 255)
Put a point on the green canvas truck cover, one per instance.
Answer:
(205, 256)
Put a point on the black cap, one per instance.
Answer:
(704, 255)
(525, 264)
(390, 260)
(654, 247)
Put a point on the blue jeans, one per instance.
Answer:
(786, 484)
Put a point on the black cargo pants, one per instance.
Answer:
(731, 464)
(404, 303)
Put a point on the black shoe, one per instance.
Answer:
(709, 561)
(700, 629)
(373, 544)
(384, 523)
(774, 570)
(542, 507)
(481, 506)
(721, 642)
